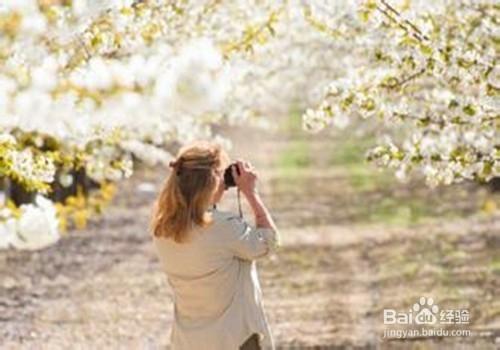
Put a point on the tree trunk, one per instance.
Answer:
(18, 194)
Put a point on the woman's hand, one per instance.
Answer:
(246, 180)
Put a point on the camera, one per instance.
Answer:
(228, 176)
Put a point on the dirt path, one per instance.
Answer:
(103, 288)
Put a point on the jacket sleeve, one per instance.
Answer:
(248, 242)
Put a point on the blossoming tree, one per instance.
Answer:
(429, 68)
(88, 87)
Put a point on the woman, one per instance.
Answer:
(209, 255)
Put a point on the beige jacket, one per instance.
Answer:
(217, 295)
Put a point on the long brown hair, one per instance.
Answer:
(188, 189)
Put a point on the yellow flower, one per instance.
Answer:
(489, 206)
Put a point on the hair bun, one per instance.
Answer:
(174, 164)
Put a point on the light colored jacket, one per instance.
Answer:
(217, 294)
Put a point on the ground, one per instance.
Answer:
(354, 243)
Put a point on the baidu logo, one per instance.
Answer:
(422, 312)
(426, 319)
(425, 311)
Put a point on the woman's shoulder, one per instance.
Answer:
(228, 222)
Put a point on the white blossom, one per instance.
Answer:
(37, 227)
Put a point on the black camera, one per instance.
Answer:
(228, 175)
